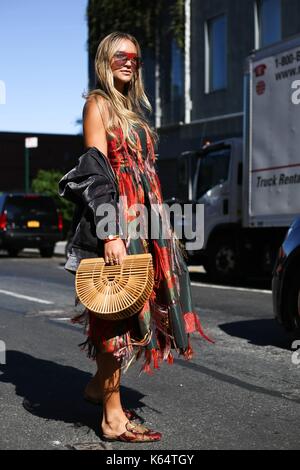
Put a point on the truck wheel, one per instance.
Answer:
(47, 251)
(292, 320)
(223, 260)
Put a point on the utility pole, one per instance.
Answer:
(30, 142)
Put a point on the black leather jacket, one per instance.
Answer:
(90, 183)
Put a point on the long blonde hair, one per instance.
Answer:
(124, 110)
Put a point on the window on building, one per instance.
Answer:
(216, 54)
(177, 84)
(268, 22)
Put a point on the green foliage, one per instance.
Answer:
(137, 17)
(178, 22)
(46, 182)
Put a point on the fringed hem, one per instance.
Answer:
(193, 325)
(154, 357)
(128, 350)
(133, 350)
(92, 351)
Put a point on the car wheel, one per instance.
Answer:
(13, 252)
(223, 262)
(47, 252)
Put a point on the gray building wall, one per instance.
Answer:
(290, 17)
(240, 43)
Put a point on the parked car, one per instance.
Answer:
(286, 280)
(29, 221)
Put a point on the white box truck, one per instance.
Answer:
(250, 186)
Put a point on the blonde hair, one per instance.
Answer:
(124, 110)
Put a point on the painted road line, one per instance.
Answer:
(196, 269)
(240, 289)
(25, 297)
(49, 312)
(61, 319)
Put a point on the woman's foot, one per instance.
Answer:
(114, 422)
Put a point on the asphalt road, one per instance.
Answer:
(243, 392)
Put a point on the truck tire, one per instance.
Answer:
(223, 263)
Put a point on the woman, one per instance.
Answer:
(115, 124)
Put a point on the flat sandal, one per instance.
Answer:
(130, 435)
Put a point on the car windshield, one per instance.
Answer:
(213, 170)
(20, 206)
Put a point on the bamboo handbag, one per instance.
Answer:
(114, 292)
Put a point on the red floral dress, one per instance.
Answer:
(168, 317)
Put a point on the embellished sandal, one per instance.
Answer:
(134, 433)
(130, 414)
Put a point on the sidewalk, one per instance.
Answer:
(60, 248)
(60, 251)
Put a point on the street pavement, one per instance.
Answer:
(243, 392)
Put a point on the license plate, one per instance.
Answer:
(33, 224)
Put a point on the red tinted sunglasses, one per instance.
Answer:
(120, 59)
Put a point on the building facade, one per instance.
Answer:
(197, 93)
(54, 152)
(223, 35)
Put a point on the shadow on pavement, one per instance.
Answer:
(55, 392)
(22, 255)
(265, 332)
(252, 283)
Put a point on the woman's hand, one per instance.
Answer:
(114, 249)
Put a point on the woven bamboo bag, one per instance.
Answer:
(114, 292)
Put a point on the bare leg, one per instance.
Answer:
(94, 391)
(114, 419)
(94, 388)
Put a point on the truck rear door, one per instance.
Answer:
(272, 136)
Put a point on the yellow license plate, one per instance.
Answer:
(33, 224)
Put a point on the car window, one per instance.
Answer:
(20, 206)
(214, 169)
